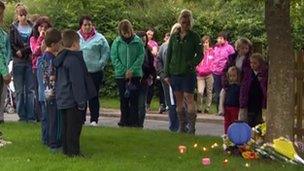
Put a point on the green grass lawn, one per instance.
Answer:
(120, 149)
(113, 103)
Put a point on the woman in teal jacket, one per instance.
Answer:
(96, 51)
(127, 55)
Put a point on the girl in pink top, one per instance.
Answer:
(204, 75)
(40, 27)
(221, 52)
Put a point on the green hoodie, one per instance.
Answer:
(127, 56)
(183, 55)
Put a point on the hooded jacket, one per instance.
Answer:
(96, 52)
(17, 44)
(73, 85)
(127, 56)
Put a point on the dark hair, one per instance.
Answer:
(52, 36)
(69, 37)
(206, 37)
(223, 34)
(167, 34)
(86, 17)
(41, 20)
(142, 34)
(2, 5)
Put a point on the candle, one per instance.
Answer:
(225, 161)
(247, 165)
(206, 161)
(182, 149)
(204, 149)
(195, 145)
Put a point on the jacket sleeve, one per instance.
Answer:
(12, 37)
(9, 50)
(36, 45)
(168, 58)
(137, 65)
(77, 77)
(245, 85)
(115, 58)
(104, 53)
(198, 51)
(264, 84)
(159, 64)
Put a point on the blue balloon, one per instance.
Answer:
(239, 133)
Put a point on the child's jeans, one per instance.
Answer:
(231, 114)
(44, 123)
(54, 122)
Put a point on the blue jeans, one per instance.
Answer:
(217, 87)
(143, 91)
(54, 124)
(24, 85)
(173, 119)
(44, 123)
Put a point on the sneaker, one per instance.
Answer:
(93, 123)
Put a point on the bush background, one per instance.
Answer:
(238, 18)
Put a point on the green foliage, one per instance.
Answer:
(239, 18)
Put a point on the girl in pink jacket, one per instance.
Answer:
(221, 52)
(204, 76)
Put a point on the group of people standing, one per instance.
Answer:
(58, 74)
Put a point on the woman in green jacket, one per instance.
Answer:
(127, 55)
(183, 54)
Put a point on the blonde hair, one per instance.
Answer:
(233, 69)
(259, 57)
(175, 28)
(185, 13)
(243, 41)
(125, 26)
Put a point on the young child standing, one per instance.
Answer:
(221, 52)
(5, 54)
(204, 75)
(36, 42)
(73, 89)
(253, 93)
(46, 78)
(232, 94)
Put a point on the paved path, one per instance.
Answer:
(206, 125)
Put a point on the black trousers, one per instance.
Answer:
(94, 102)
(71, 129)
(129, 105)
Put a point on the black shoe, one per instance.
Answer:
(199, 111)
(1, 121)
(206, 111)
(121, 124)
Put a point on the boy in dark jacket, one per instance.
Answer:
(73, 89)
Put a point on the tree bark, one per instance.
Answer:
(280, 108)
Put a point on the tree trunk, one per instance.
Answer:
(280, 103)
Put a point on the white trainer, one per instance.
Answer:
(93, 123)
